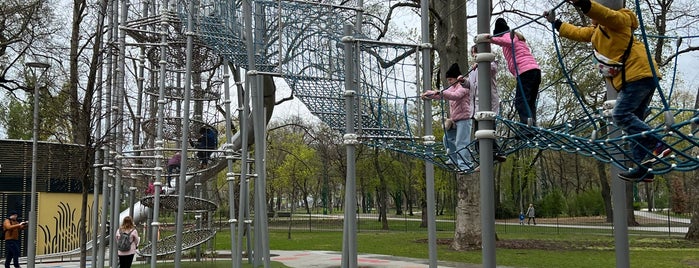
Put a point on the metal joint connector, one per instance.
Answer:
(347, 39)
(485, 134)
(481, 38)
(350, 139)
(485, 57)
(485, 116)
(428, 140)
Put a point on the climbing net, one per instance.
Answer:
(169, 203)
(303, 43)
(168, 245)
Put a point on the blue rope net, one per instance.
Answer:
(302, 43)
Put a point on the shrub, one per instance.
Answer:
(506, 210)
(588, 203)
(553, 204)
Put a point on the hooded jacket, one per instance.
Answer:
(611, 39)
(522, 53)
(460, 107)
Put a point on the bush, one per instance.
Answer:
(588, 203)
(506, 210)
(552, 205)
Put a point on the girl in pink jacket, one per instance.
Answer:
(526, 69)
(458, 137)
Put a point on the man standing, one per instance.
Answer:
(531, 214)
(11, 227)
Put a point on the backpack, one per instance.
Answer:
(124, 243)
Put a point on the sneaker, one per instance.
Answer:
(636, 174)
(660, 151)
(500, 158)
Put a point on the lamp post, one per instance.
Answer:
(31, 237)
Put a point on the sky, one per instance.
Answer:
(407, 21)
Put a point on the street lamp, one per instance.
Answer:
(31, 237)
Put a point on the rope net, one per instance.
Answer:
(302, 42)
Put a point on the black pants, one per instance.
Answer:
(531, 219)
(530, 81)
(12, 253)
(125, 261)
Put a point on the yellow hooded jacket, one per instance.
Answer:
(611, 39)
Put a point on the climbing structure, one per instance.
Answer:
(183, 46)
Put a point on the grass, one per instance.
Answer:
(559, 250)
(519, 246)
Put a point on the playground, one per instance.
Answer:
(184, 143)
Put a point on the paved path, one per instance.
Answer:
(318, 259)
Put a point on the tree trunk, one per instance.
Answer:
(467, 232)
(693, 231)
(606, 191)
(630, 217)
(451, 42)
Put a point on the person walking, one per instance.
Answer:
(11, 226)
(531, 214)
(127, 228)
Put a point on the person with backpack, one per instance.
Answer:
(127, 240)
(11, 227)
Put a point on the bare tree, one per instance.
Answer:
(25, 29)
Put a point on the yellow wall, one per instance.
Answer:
(58, 218)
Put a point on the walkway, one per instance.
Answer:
(320, 259)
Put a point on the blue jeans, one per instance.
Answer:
(630, 111)
(456, 140)
(12, 251)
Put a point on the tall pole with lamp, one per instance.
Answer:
(31, 237)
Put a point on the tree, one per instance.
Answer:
(26, 29)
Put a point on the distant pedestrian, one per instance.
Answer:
(521, 218)
(531, 215)
(11, 226)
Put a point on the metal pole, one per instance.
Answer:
(181, 187)
(349, 244)
(132, 200)
(621, 227)
(243, 210)
(485, 136)
(428, 139)
(31, 237)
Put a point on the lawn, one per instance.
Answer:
(540, 247)
(518, 246)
